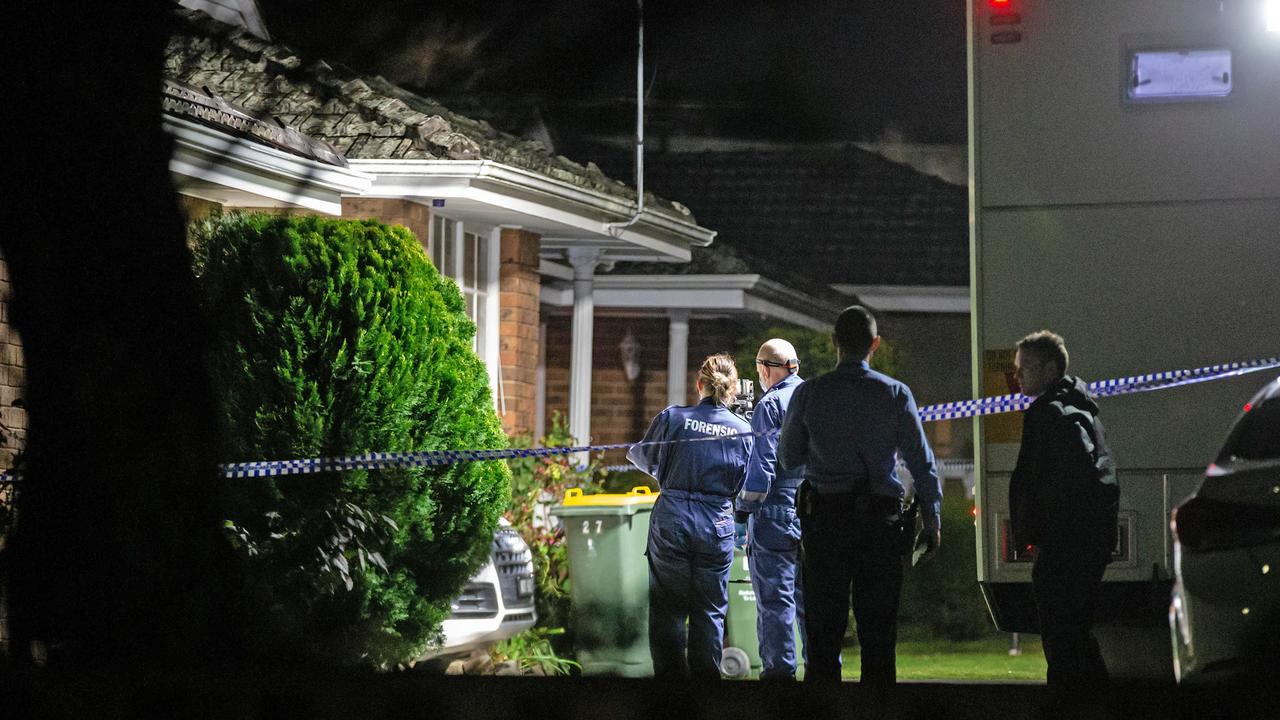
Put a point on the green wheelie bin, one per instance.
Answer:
(741, 657)
(609, 579)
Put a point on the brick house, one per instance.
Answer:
(529, 236)
(521, 230)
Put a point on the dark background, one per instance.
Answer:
(758, 69)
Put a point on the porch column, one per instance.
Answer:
(677, 356)
(584, 261)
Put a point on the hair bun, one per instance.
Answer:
(719, 375)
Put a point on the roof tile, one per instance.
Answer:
(365, 117)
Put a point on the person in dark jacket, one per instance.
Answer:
(847, 428)
(690, 546)
(1062, 500)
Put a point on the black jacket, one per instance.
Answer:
(1063, 492)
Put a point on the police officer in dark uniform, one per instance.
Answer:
(846, 428)
(768, 502)
(691, 530)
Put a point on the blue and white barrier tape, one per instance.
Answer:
(1102, 388)
(928, 413)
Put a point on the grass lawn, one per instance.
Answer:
(978, 660)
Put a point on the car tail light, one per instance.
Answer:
(1201, 524)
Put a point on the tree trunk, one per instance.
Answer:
(116, 558)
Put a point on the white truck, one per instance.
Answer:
(1125, 192)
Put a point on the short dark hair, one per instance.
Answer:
(1048, 347)
(855, 331)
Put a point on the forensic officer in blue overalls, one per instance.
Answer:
(768, 503)
(691, 528)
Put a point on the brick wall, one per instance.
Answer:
(415, 216)
(621, 409)
(519, 325)
(194, 208)
(12, 379)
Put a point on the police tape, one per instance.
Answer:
(1101, 388)
(928, 413)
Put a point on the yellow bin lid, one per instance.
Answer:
(640, 495)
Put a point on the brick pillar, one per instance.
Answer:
(415, 216)
(12, 381)
(520, 301)
(194, 208)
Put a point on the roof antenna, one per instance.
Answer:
(616, 229)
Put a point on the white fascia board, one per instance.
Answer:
(213, 156)
(911, 298)
(677, 282)
(706, 299)
(551, 269)
(535, 194)
(785, 314)
(722, 294)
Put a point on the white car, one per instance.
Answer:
(496, 603)
(1225, 611)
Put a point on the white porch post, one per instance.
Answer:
(540, 387)
(584, 261)
(677, 356)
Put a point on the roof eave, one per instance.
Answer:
(656, 231)
(210, 155)
(734, 294)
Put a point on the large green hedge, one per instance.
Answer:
(337, 337)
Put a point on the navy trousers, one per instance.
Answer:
(690, 550)
(774, 562)
(852, 556)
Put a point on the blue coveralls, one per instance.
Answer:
(690, 544)
(773, 533)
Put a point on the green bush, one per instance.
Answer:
(816, 351)
(941, 599)
(338, 337)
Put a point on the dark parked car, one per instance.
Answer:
(1225, 611)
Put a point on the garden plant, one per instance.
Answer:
(338, 337)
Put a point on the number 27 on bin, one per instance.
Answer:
(586, 526)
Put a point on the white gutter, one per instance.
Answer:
(526, 191)
(210, 155)
(911, 298)
(745, 293)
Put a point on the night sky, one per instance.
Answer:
(818, 70)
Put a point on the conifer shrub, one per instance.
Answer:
(338, 337)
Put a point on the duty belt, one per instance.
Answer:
(840, 485)
(864, 505)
